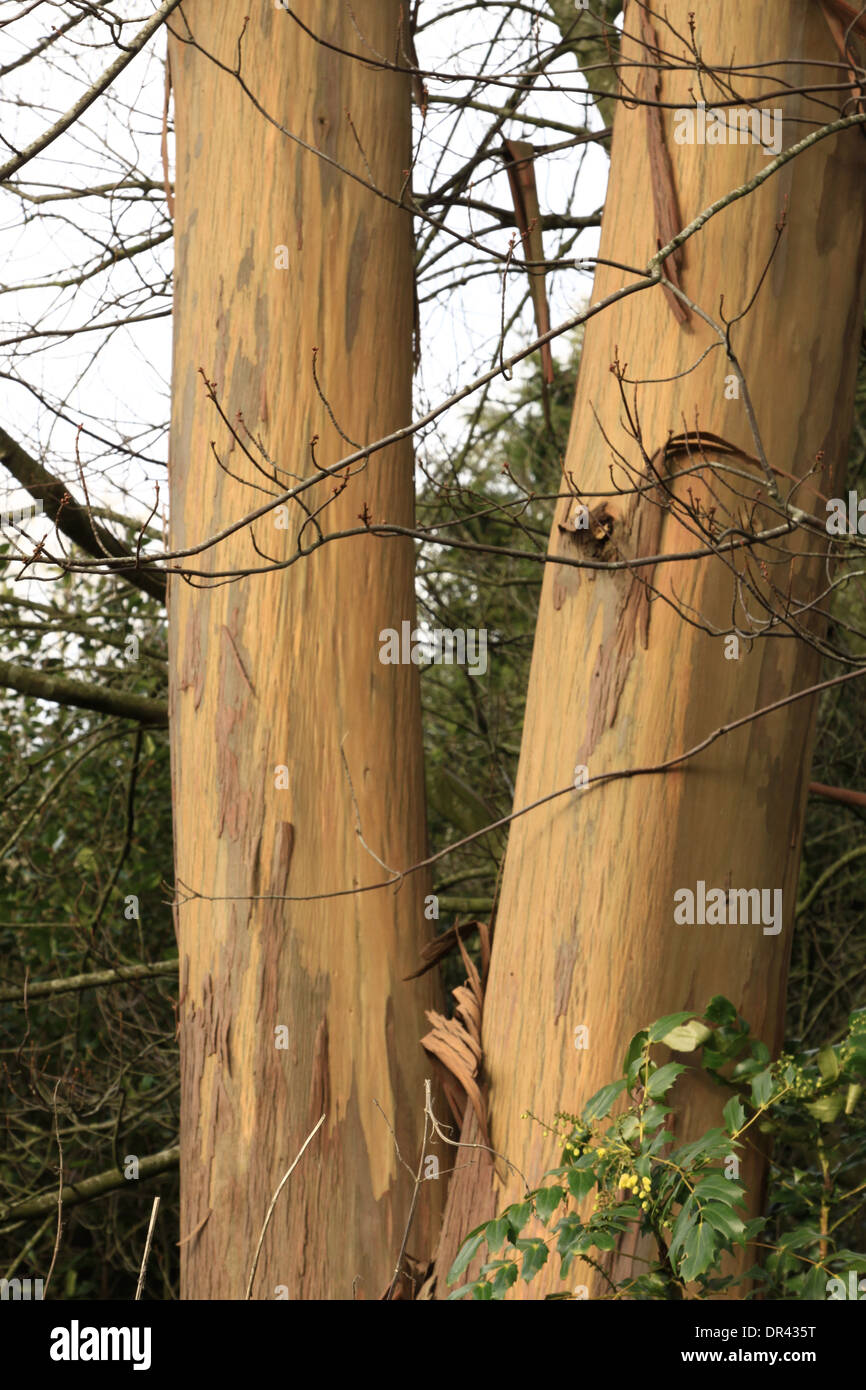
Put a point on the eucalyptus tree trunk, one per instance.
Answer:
(629, 667)
(296, 754)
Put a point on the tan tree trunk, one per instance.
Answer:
(585, 932)
(282, 669)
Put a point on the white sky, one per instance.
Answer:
(122, 393)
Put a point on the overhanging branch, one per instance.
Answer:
(76, 1193)
(63, 690)
(72, 518)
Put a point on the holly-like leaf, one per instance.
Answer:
(599, 1105)
(662, 1026)
(762, 1087)
(699, 1251)
(720, 1010)
(724, 1220)
(687, 1037)
(825, 1109)
(735, 1115)
(828, 1063)
(661, 1081)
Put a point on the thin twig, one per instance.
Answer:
(145, 1257)
(418, 1181)
(59, 1196)
(284, 1180)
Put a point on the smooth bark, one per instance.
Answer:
(283, 669)
(585, 932)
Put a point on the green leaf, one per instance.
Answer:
(534, 1257)
(720, 1010)
(547, 1199)
(724, 1220)
(634, 1054)
(517, 1216)
(599, 1105)
(825, 1109)
(855, 1066)
(655, 1115)
(662, 1026)
(683, 1225)
(504, 1278)
(570, 1229)
(699, 1252)
(748, 1067)
(466, 1254)
(734, 1114)
(828, 1063)
(856, 1062)
(580, 1182)
(850, 1259)
(815, 1285)
(688, 1037)
(716, 1187)
(662, 1080)
(603, 1240)
(713, 1059)
(762, 1087)
(800, 1238)
(496, 1232)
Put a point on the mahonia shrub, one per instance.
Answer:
(629, 1169)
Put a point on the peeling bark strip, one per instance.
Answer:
(519, 158)
(851, 17)
(840, 21)
(456, 1042)
(291, 1009)
(664, 189)
(585, 934)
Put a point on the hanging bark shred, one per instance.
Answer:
(519, 164)
(665, 201)
(443, 945)
(844, 23)
(456, 1042)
